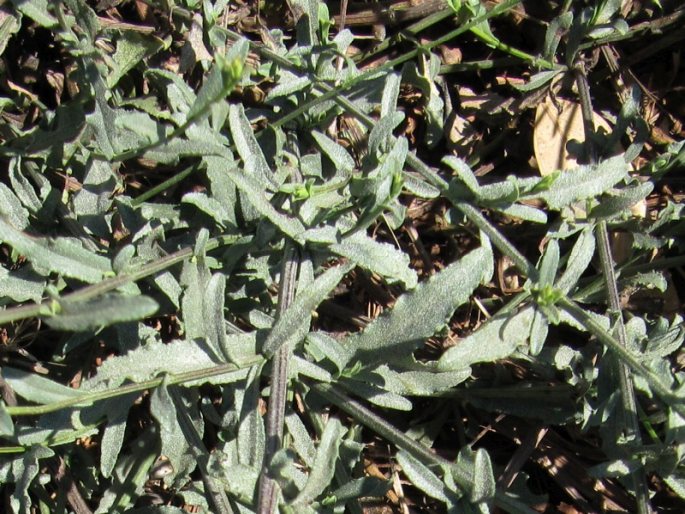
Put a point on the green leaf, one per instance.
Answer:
(194, 277)
(248, 148)
(174, 440)
(209, 206)
(424, 479)
(251, 432)
(302, 442)
(11, 209)
(322, 346)
(578, 261)
(380, 137)
(132, 48)
(427, 383)
(6, 423)
(288, 84)
(538, 80)
(323, 469)
(419, 314)
(306, 368)
(367, 487)
(38, 11)
(391, 91)
(483, 489)
(293, 324)
(113, 438)
(255, 193)
(538, 331)
(238, 479)
(103, 118)
(156, 358)
(522, 212)
(342, 160)
(618, 202)
(495, 340)
(38, 389)
(376, 394)
(464, 173)
(9, 25)
(420, 188)
(549, 264)
(381, 258)
(555, 30)
(56, 255)
(101, 312)
(21, 285)
(24, 471)
(585, 182)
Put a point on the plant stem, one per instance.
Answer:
(111, 284)
(366, 417)
(267, 496)
(86, 399)
(267, 500)
(630, 423)
(676, 402)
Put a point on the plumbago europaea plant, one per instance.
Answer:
(288, 205)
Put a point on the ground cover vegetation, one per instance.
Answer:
(258, 258)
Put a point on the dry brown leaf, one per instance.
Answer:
(558, 121)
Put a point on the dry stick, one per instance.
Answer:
(629, 403)
(66, 483)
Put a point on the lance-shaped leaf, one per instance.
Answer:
(419, 314)
(424, 479)
(294, 323)
(173, 435)
(56, 255)
(25, 470)
(6, 424)
(101, 312)
(336, 153)
(176, 357)
(495, 340)
(248, 148)
(132, 48)
(381, 258)
(324, 463)
(251, 439)
(38, 389)
(255, 194)
(585, 182)
(578, 261)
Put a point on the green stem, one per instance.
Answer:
(95, 290)
(163, 186)
(669, 397)
(488, 39)
(366, 417)
(630, 424)
(171, 379)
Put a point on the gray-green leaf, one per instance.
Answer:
(585, 182)
(107, 310)
(418, 314)
(293, 324)
(496, 339)
(56, 255)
